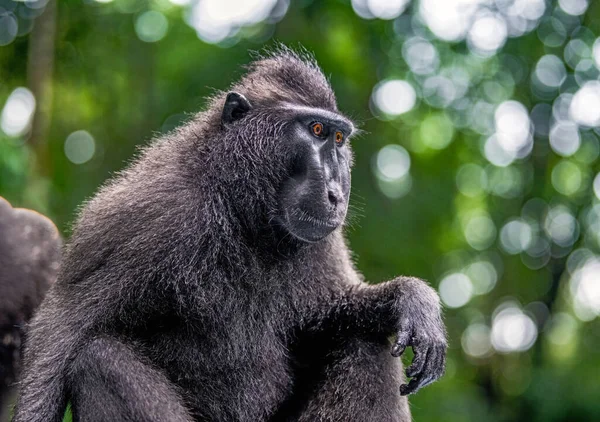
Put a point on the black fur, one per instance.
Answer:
(183, 297)
(29, 260)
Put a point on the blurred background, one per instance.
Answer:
(478, 170)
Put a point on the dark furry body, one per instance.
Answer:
(29, 260)
(179, 299)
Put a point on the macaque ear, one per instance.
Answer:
(236, 106)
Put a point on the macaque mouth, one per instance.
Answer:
(307, 217)
(305, 226)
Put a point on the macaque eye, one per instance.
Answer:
(339, 137)
(317, 129)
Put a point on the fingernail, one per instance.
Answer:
(397, 350)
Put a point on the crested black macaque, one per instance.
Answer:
(210, 281)
(29, 261)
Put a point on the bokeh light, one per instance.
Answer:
(566, 177)
(420, 55)
(9, 27)
(471, 180)
(516, 236)
(550, 71)
(17, 112)
(80, 147)
(476, 340)
(449, 20)
(552, 32)
(596, 185)
(392, 166)
(394, 97)
(596, 52)
(436, 131)
(574, 7)
(513, 129)
(496, 154)
(456, 290)
(216, 20)
(585, 106)
(151, 26)
(382, 9)
(479, 230)
(483, 275)
(564, 138)
(585, 290)
(561, 226)
(507, 182)
(393, 162)
(487, 34)
(439, 91)
(575, 51)
(512, 330)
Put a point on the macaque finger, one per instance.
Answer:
(411, 387)
(402, 342)
(421, 356)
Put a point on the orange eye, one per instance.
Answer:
(317, 129)
(339, 137)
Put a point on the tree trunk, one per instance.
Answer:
(39, 72)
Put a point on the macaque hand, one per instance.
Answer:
(420, 326)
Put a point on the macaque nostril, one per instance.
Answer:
(333, 199)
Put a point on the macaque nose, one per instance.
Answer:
(335, 196)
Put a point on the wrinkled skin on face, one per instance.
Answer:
(312, 198)
(313, 201)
